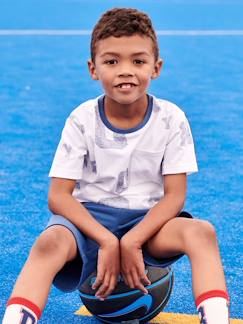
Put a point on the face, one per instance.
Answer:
(125, 66)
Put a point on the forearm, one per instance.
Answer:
(66, 205)
(167, 208)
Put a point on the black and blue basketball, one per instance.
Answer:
(126, 304)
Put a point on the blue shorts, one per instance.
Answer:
(119, 221)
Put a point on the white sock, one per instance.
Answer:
(21, 311)
(213, 307)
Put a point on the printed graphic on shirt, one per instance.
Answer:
(67, 149)
(122, 183)
(91, 165)
(186, 137)
(119, 140)
(156, 108)
(77, 185)
(123, 169)
(167, 121)
(76, 122)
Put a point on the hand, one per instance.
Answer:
(108, 268)
(132, 264)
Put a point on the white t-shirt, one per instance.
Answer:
(123, 168)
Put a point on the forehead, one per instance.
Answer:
(125, 45)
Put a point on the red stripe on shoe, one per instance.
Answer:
(211, 294)
(26, 303)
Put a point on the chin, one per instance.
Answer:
(125, 100)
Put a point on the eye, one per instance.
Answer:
(138, 62)
(111, 62)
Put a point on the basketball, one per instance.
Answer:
(126, 304)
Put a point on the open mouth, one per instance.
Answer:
(125, 85)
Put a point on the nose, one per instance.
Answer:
(125, 71)
(125, 74)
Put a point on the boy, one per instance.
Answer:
(118, 185)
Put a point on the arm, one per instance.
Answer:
(131, 243)
(167, 208)
(61, 202)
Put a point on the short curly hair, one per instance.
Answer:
(120, 22)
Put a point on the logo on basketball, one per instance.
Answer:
(126, 304)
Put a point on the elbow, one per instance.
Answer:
(177, 201)
(181, 201)
(52, 202)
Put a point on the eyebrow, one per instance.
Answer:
(117, 54)
(109, 53)
(140, 53)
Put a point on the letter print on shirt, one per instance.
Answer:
(186, 137)
(119, 140)
(89, 164)
(77, 185)
(122, 183)
(156, 107)
(76, 122)
(167, 121)
(67, 148)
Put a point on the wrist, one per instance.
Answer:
(108, 239)
(131, 240)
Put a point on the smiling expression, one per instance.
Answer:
(125, 66)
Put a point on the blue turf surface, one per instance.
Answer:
(42, 78)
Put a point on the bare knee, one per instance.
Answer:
(55, 242)
(199, 234)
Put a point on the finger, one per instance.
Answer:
(99, 279)
(123, 278)
(141, 287)
(137, 282)
(101, 293)
(144, 279)
(111, 287)
(129, 280)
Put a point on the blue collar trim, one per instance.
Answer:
(122, 130)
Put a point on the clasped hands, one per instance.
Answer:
(117, 257)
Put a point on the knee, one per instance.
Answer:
(199, 235)
(49, 244)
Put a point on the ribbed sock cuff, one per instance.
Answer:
(27, 303)
(211, 294)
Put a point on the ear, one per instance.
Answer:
(157, 68)
(92, 70)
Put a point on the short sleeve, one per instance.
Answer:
(69, 157)
(179, 156)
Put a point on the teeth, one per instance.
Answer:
(125, 85)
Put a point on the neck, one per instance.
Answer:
(125, 116)
(125, 111)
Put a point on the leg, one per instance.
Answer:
(197, 239)
(55, 246)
